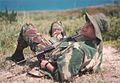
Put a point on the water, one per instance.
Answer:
(49, 4)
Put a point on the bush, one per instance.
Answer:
(7, 16)
(113, 35)
(114, 30)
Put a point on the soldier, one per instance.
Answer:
(83, 54)
(78, 55)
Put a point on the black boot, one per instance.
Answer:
(18, 55)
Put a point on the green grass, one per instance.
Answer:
(115, 43)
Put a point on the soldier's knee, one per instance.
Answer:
(25, 34)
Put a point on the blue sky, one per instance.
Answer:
(49, 4)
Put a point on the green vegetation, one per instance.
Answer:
(113, 35)
(72, 20)
(8, 16)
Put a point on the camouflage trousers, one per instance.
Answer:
(30, 37)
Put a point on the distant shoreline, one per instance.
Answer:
(62, 10)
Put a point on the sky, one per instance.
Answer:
(49, 4)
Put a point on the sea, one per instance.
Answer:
(31, 5)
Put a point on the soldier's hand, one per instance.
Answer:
(45, 64)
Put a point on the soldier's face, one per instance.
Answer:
(88, 31)
(57, 34)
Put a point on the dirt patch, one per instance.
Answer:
(111, 65)
(110, 71)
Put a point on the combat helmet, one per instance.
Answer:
(100, 23)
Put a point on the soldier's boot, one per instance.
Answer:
(18, 54)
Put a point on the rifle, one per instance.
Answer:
(49, 48)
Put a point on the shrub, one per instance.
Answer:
(114, 30)
(7, 16)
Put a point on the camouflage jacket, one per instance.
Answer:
(74, 58)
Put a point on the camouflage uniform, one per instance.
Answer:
(76, 57)
(71, 57)
(35, 40)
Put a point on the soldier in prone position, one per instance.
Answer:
(72, 56)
